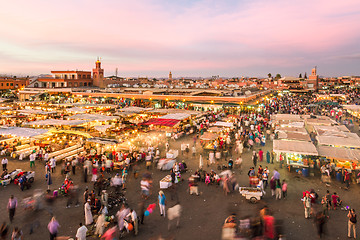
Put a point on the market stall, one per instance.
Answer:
(296, 154)
(341, 157)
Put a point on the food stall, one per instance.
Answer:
(341, 157)
(295, 154)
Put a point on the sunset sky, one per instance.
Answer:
(190, 37)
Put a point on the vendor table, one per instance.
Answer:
(165, 182)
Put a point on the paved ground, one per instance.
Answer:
(202, 216)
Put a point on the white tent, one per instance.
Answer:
(300, 147)
(35, 112)
(94, 117)
(339, 153)
(224, 124)
(76, 110)
(102, 128)
(22, 132)
(134, 109)
(351, 140)
(57, 122)
(176, 116)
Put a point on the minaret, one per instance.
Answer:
(98, 75)
(170, 76)
(313, 79)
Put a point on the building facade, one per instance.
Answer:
(13, 83)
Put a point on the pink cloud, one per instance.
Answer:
(149, 34)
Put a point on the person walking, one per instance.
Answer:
(4, 163)
(272, 186)
(278, 190)
(352, 223)
(134, 219)
(53, 228)
(52, 164)
(81, 232)
(32, 160)
(17, 234)
(307, 205)
(254, 158)
(11, 206)
(162, 202)
(284, 188)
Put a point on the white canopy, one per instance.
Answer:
(224, 124)
(102, 128)
(300, 147)
(351, 140)
(22, 132)
(103, 141)
(35, 111)
(76, 110)
(94, 117)
(172, 110)
(339, 153)
(134, 109)
(176, 116)
(57, 122)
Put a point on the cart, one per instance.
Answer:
(9, 177)
(252, 194)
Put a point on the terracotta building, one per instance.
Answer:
(13, 83)
(70, 79)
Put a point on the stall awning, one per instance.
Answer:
(103, 141)
(76, 110)
(176, 116)
(300, 147)
(208, 136)
(94, 117)
(339, 153)
(224, 124)
(350, 141)
(57, 122)
(35, 112)
(162, 122)
(102, 128)
(294, 136)
(22, 132)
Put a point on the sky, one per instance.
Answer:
(197, 38)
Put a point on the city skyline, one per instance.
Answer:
(191, 38)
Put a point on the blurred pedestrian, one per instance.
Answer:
(11, 206)
(320, 221)
(53, 228)
(17, 234)
(174, 213)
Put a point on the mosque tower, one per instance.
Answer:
(98, 75)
